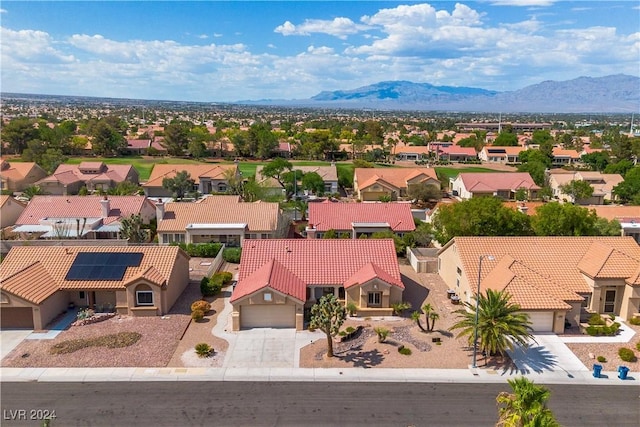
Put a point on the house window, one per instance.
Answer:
(267, 296)
(457, 283)
(144, 297)
(82, 295)
(459, 271)
(264, 236)
(375, 299)
(222, 188)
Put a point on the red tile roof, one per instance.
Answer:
(41, 207)
(73, 173)
(340, 216)
(315, 262)
(275, 276)
(397, 177)
(195, 170)
(494, 181)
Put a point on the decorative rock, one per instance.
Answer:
(592, 356)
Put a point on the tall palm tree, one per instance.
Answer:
(500, 323)
(526, 406)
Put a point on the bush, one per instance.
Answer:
(383, 333)
(635, 321)
(85, 313)
(210, 287)
(224, 276)
(399, 307)
(202, 250)
(404, 350)
(596, 320)
(232, 255)
(119, 340)
(350, 329)
(197, 315)
(352, 308)
(601, 359)
(201, 305)
(626, 354)
(203, 349)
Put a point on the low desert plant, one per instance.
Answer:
(119, 340)
(626, 354)
(635, 321)
(383, 333)
(601, 359)
(349, 329)
(399, 307)
(201, 305)
(85, 313)
(352, 308)
(596, 320)
(638, 346)
(203, 349)
(197, 315)
(612, 316)
(404, 350)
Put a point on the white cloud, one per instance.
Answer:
(3, 11)
(338, 27)
(30, 46)
(203, 36)
(526, 3)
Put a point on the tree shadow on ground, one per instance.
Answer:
(532, 359)
(414, 293)
(363, 359)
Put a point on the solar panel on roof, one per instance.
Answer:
(103, 265)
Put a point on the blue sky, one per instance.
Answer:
(238, 50)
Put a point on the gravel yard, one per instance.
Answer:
(609, 351)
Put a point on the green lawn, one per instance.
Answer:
(445, 173)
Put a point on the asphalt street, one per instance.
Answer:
(298, 404)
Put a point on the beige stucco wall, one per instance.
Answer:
(630, 303)
(573, 315)
(178, 280)
(448, 263)
(11, 210)
(50, 309)
(558, 322)
(257, 298)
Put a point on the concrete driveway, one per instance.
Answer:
(10, 338)
(548, 354)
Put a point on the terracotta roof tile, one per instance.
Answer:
(395, 176)
(494, 181)
(275, 276)
(369, 272)
(340, 216)
(33, 283)
(195, 170)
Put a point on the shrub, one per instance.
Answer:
(119, 340)
(383, 333)
(197, 315)
(85, 313)
(638, 346)
(232, 255)
(203, 349)
(399, 307)
(596, 320)
(404, 350)
(352, 308)
(210, 287)
(201, 305)
(612, 316)
(224, 276)
(626, 354)
(202, 250)
(349, 329)
(601, 359)
(635, 321)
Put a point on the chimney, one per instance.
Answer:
(159, 210)
(311, 231)
(106, 207)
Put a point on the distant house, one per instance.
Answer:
(144, 147)
(68, 179)
(498, 184)
(10, 210)
(329, 175)
(627, 216)
(284, 150)
(359, 219)
(492, 154)
(38, 283)
(553, 279)
(454, 153)
(16, 176)
(84, 217)
(279, 278)
(562, 157)
(223, 219)
(601, 183)
(208, 178)
(370, 184)
(411, 152)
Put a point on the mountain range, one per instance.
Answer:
(618, 93)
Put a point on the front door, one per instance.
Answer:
(609, 301)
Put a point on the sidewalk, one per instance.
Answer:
(311, 375)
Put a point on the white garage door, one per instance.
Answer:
(268, 316)
(541, 321)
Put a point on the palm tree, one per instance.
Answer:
(526, 406)
(433, 316)
(427, 308)
(416, 316)
(500, 323)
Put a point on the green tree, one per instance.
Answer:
(481, 216)
(131, 229)
(328, 315)
(124, 188)
(577, 189)
(598, 160)
(176, 137)
(330, 234)
(556, 219)
(501, 324)
(629, 189)
(276, 168)
(424, 193)
(32, 190)
(313, 182)
(526, 406)
(521, 194)
(107, 141)
(506, 139)
(197, 149)
(180, 185)
(621, 166)
(263, 139)
(604, 227)
(17, 133)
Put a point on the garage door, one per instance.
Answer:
(16, 317)
(268, 316)
(541, 321)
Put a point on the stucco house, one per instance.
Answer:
(500, 154)
(208, 178)
(329, 175)
(280, 278)
(10, 210)
(89, 217)
(370, 184)
(358, 219)
(601, 183)
(16, 176)
(553, 279)
(223, 219)
(38, 283)
(68, 179)
(498, 184)
(627, 216)
(411, 152)
(562, 157)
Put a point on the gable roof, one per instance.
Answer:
(66, 173)
(620, 213)
(340, 216)
(397, 177)
(272, 275)
(195, 170)
(17, 171)
(259, 216)
(534, 269)
(495, 181)
(317, 262)
(36, 272)
(41, 207)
